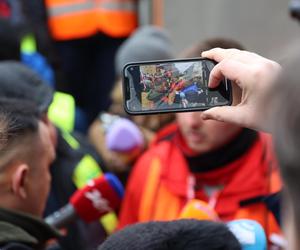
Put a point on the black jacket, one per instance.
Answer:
(23, 232)
(80, 235)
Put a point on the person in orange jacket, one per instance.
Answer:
(87, 35)
(229, 167)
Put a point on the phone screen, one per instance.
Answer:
(172, 86)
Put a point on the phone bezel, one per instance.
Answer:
(164, 111)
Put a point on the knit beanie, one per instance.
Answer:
(19, 82)
(173, 235)
(146, 44)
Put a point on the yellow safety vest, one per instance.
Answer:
(86, 170)
(62, 111)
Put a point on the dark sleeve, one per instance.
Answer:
(80, 234)
(36, 15)
(87, 148)
(273, 203)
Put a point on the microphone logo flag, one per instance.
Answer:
(98, 201)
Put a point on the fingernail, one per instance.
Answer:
(204, 116)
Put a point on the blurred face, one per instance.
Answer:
(153, 122)
(204, 136)
(39, 175)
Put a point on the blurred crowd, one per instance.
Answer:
(78, 172)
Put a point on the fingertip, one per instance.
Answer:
(205, 53)
(216, 113)
(212, 53)
(213, 83)
(208, 53)
(208, 114)
(205, 115)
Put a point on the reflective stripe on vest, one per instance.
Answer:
(152, 183)
(86, 170)
(68, 9)
(78, 19)
(62, 111)
(109, 222)
(73, 143)
(167, 206)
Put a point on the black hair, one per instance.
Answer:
(18, 122)
(173, 235)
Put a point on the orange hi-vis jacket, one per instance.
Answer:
(74, 19)
(160, 185)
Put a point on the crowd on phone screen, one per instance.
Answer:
(198, 180)
(167, 88)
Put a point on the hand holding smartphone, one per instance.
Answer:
(172, 86)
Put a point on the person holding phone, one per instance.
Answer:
(225, 165)
(253, 74)
(271, 95)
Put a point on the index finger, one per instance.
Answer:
(232, 70)
(242, 56)
(219, 54)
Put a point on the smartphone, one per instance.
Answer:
(172, 86)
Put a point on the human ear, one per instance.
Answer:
(18, 180)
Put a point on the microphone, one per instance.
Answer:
(100, 196)
(124, 136)
(126, 141)
(249, 233)
(199, 210)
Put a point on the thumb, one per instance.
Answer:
(230, 114)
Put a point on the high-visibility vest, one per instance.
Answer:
(71, 19)
(86, 170)
(62, 111)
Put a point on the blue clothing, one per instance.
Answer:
(39, 64)
(192, 87)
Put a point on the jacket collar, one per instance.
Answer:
(24, 228)
(233, 150)
(175, 172)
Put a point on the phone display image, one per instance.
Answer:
(172, 86)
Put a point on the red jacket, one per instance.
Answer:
(159, 186)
